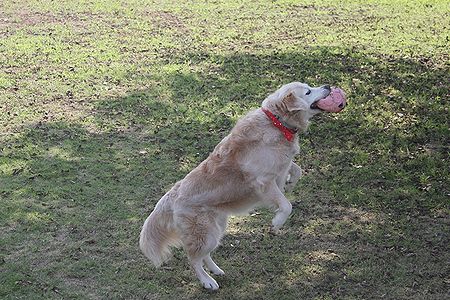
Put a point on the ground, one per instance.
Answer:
(105, 104)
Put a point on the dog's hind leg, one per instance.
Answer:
(200, 235)
(199, 253)
(221, 222)
(211, 265)
(207, 281)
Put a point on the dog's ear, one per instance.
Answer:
(292, 103)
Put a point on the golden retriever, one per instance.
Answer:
(251, 167)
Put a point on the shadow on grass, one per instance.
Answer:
(75, 195)
(388, 150)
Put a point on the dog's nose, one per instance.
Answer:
(327, 87)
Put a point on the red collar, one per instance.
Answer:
(289, 133)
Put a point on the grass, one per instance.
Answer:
(105, 104)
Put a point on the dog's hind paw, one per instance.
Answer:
(210, 284)
(218, 272)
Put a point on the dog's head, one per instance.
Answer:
(297, 102)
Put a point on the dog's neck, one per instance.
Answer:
(297, 120)
(288, 132)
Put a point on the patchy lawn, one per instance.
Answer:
(105, 104)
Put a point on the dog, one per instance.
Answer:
(251, 167)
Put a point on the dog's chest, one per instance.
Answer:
(268, 161)
(294, 148)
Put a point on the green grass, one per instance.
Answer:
(105, 104)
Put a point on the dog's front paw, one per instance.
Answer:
(289, 187)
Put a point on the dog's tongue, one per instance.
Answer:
(334, 102)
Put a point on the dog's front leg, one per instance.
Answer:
(282, 213)
(284, 207)
(295, 172)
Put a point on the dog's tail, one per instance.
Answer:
(158, 234)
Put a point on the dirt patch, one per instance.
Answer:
(26, 18)
(163, 20)
(10, 23)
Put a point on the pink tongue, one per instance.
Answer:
(334, 102)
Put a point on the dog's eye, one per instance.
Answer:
(308, 92)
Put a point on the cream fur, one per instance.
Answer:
(248, 168)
